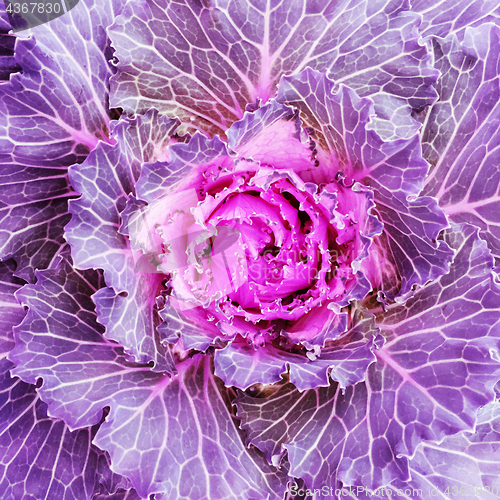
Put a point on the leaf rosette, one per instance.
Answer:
(269, 236)
(253, 248)
(298, 237)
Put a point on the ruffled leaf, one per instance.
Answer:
(157, 177)
(106, 180)
(192, 326)
(205, 63)
(40, 456)
(313, 426)
(11, 312)
(392, 120)
(163, 433)
(446, 17)
(121, 494)
(51, 115)
(8, 63)
(344, 360)
(431, 377)
(339, 121)
(466, 464)
(272, 135)
(60, 306)
(461, 131)
(186, 428)
(394, 170)
(111, 486)
(408, 243)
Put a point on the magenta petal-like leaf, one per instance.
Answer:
(272, 135)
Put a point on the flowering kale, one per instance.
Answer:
(250, 250)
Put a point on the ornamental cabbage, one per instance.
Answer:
(250, 251)
(250, 246)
